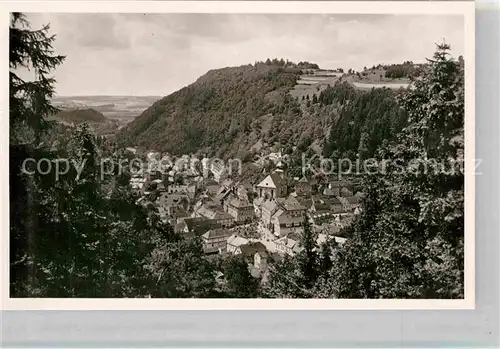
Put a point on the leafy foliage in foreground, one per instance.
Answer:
(80, 234)
(409, 239)
(366, 119)
(409, 242)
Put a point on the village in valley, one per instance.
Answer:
(261, 221)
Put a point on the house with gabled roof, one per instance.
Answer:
(273, 186)
(326, 203)
(267, 209)
(291, 206)
(215, 240)
(287, 245)
(283, 223)
(214, 212)
(350, 203)
(239, 208)
(282, 213)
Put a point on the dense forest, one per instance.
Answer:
(227, 111)
(214, 113)
(366, 119)
(82, 235)
(80, 115)
(96, 120)
(398, 71)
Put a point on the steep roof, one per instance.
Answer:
(284, 218)
(289, 204)
(307, 203)
(199, 225)
(353, 199)
(179, 213)
(269, 205)
(212, 211)
(331, 192)
(221, 215)
(274, 180)
(239, 203)
(216, 233)
(287, 242)
(345, 192)
(172, 200)
(303, 180)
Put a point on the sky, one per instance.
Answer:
(157, 54)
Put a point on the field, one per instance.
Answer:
(310, 84)
(317, 80)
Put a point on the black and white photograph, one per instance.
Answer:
(280, 156)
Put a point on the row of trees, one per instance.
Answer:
(288, 64)
(397, 71)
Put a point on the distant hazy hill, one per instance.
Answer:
(96, 120)
(80, 115)
(122, 108)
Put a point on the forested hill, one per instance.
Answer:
(98, 123)
(239, 111)
(215, 112)
(80, 115)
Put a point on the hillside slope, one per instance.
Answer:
(217, 113)
(100, 124)
(251, 109)
(80, 115)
